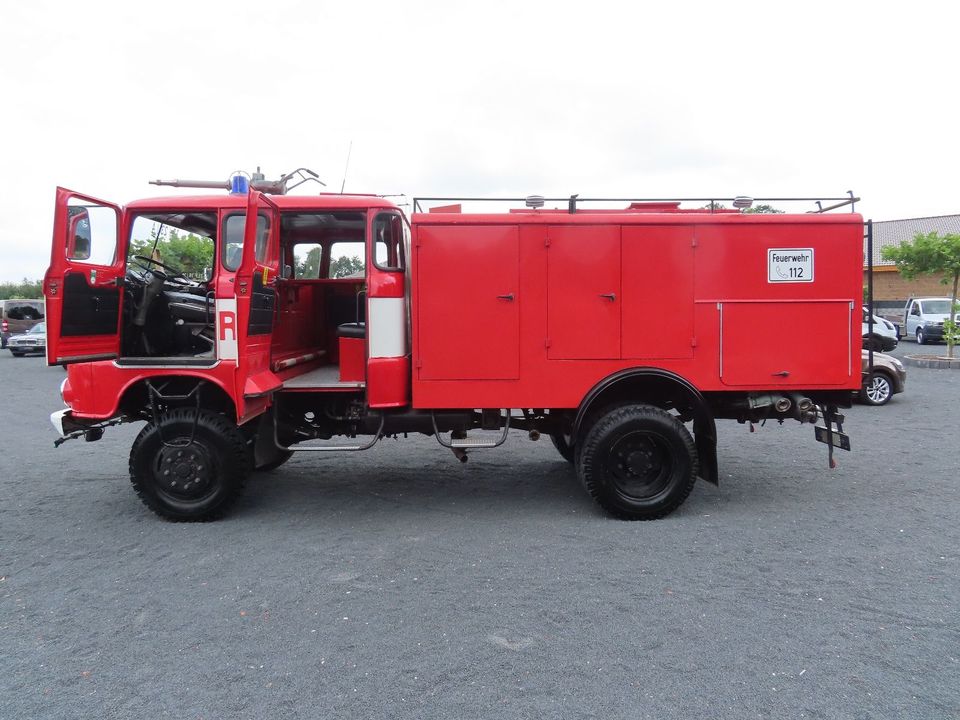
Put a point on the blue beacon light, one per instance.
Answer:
(239, 184)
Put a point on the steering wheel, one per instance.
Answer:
(170, 273)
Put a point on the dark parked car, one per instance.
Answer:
(18, 316)
(885, 379)
(32, 341)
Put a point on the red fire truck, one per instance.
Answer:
(324, 323)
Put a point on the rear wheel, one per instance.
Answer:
(877, 389)
(638, 462)
(189, 480)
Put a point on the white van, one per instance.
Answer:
(923, 318)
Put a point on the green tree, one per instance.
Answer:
(763, 209)
(28, 289)
(346, 266)
(186, 252)
(932, 254)
(309, 266)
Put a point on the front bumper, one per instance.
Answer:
(65, 424)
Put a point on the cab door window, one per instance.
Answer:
(388, 242)
(233, 229)
(91, 233)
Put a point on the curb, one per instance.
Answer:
(933, 363)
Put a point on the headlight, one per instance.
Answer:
(888, 325)
(930, 323)
(896, 363)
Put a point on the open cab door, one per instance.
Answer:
(256, 292)
(83, 286)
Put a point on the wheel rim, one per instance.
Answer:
(919, 336)
(878, 391)
(641, 465)
(184, 474)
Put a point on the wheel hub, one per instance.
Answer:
(641, 465)
(183, 471)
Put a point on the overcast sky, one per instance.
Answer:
(597, 98)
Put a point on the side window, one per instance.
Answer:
(346, 260)
(915, 310)
(25, 311)
(233, 229)
(388, 231)
(91, 233)
(306, 261)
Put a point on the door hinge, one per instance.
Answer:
(693, 342)
(418, 364)
(546, 343)
(546, 242)
(693, 242)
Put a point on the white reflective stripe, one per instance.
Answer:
(226, 328)
(387, 327)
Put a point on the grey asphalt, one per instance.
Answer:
(400, 584)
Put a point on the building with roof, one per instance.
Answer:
(890, 289)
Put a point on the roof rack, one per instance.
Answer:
(713, 204)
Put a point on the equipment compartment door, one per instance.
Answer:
(583, 292)
(83, 285)
(468, 302)
(658, 291)
(788, 344)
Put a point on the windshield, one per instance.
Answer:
(181, 241)
(39, 329)
(936, 307)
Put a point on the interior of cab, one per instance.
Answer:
(168, 304)
(320, 307)
(321, 296)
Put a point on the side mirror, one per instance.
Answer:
(207, 274)
(78, 234)
(287, 272)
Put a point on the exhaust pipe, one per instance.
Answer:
(780, 403)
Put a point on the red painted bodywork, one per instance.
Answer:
(672, 275)
(353, 360)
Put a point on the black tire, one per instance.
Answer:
(921, 338)
(638, 462)
(563, 446)
(877, 389)
(15, 353)
(203, 479)
(281, 457)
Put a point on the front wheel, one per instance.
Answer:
(921, 339)
(638, 462)
(877, 389)
(16, 353)
(191, 466)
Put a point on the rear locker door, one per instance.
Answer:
(83, 286)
